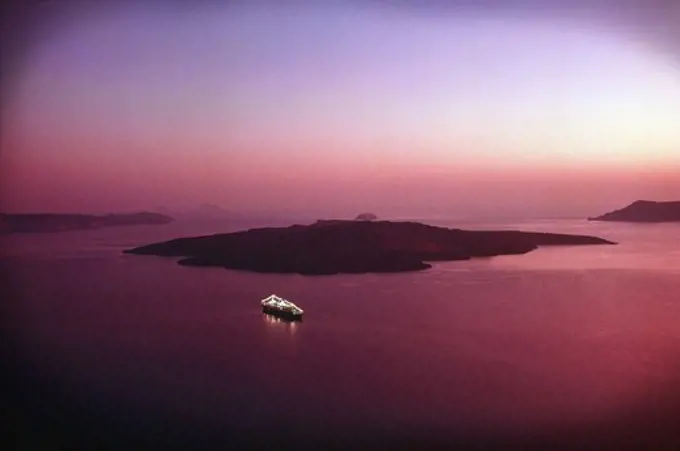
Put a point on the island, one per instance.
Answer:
(56, 222)
(366, 217)
(644, 211)
(348, 246)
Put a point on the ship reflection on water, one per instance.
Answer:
(277, 323)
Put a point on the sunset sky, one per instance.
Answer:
(339, 109)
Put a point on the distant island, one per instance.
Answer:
(342, 246)
(366, 217)
(644, 211)
(56, 222)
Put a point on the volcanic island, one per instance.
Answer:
(345, 246)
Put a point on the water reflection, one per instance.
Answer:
(276, 323)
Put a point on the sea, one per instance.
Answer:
(562, 348)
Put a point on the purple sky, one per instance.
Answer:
(339, 109)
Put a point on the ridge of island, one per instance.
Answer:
(346, 246)
(644, 211)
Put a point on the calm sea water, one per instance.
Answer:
(570, 346)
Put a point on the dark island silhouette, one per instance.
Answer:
(56, 222)
(366, 217)
(342, 246)
(644, 211)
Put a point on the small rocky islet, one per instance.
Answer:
(644, 211)
(345, 246)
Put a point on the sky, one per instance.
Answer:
(342, 108)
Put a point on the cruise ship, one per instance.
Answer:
(277, 306)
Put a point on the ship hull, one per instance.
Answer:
(282, 313)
